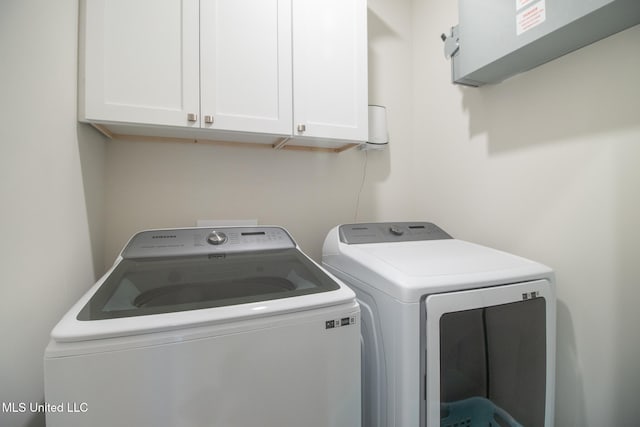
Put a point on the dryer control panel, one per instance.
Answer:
(386, 232)
(206, 241)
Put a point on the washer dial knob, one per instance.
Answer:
(397, 231)
(217, 237)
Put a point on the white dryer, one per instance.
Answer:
(208, 327)
(453, 333)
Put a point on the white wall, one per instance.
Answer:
(152, 184)
(546, 165)
(51, 192)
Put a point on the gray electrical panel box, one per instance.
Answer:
(496, 39)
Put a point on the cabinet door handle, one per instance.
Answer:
(208, 119)
(192, 117)
(302, 128)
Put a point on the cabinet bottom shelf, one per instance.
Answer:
(279, 144)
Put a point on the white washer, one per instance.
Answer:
(208, 327)
(452, 332)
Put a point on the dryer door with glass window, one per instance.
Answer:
(490, 356)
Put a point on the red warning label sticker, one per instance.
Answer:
(531, 17)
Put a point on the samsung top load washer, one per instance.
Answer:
(453, 333)
(208, 327)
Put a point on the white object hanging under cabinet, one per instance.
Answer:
(274, 73)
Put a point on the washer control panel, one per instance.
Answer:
(206, 241)
(385, 232)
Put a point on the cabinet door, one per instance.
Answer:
(139, 61)
(246, 65)
(330, 68)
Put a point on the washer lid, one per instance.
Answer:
(138, 287)
(185, 278)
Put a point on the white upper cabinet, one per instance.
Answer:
(139, 61)
(238, 70)
(245, 66)
(330, 69)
